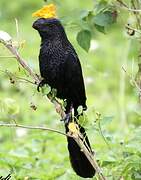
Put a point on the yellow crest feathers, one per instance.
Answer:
(48, 11)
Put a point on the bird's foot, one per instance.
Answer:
(67, 118)
(41, 84)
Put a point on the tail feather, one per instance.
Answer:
(79, 161)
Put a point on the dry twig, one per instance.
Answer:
(128, 8)
(32, 127)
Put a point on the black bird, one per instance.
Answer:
(60, 68)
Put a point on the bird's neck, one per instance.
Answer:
(53, 41)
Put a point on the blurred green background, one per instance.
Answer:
(115, 136)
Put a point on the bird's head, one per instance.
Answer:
(48, 27)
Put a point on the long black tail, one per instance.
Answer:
(79, 161)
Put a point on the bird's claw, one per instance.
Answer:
(67, 118)
(41, 84)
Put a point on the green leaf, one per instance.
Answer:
(100, 28)
(84, 39)
(84, 14)
(100, 6)
(83, 119)
(80, 110)
(54, 92)
(45, 89)
(104, 18)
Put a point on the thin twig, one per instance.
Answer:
(16, 77)
(7, 56)
(90, 157)
(100, 130)
(20, 60)
(126, 7)
(25, 80)
(136, 30)
(137, 15)
(32, 127)
(133, 80)
(17, 29)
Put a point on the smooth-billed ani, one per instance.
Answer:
(60, 68)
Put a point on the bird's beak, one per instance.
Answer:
(36, 25)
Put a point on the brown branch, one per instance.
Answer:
(137, 15)
(58, 108)
(90, 157)
(136, 30)
(22, 61)
(32, 127)
(126, 7)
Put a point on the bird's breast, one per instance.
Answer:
(51, 67)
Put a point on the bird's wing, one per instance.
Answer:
(74, 79)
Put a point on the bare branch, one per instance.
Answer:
(126, 7)
(32, 127)
(21, 61)
(136, 30)
(7, 57)
(90, 157)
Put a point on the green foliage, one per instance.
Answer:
(104, 19)
(99, 19)
(100, 28)
(45, 89)
(83, 39)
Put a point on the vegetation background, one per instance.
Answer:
(109, 68)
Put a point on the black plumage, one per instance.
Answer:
(61, 69)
